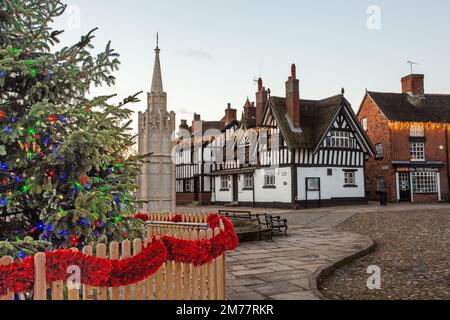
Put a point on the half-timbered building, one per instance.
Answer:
(290, 152)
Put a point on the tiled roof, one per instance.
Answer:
(404, 107)
(315, 117)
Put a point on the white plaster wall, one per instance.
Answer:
(283, 190)
(222, 196)
(331, 186)
(244, 195)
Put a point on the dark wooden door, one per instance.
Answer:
(235, 188)
(405, 187)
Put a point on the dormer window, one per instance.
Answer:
(417, 130)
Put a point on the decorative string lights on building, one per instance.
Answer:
(402, 125)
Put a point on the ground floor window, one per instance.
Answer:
(269, 178)
(349, 178)
(187, 186)
(224, 182)
(424, 182)
(248, 181)
(380, 184)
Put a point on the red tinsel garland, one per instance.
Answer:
(99, 272)
(146, 217)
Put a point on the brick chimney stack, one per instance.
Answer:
(230, 114)
(196, 123)
(413, 84)
(293, 98)
(183, 125)
(261, 100)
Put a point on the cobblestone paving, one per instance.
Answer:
(281, 269)
(413, 251)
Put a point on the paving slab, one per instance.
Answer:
(282, 269)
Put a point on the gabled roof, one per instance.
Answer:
(315, 117)
(404, 107)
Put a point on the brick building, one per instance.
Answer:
(410, 132)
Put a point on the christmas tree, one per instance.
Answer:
(67, 175)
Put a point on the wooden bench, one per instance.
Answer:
(276, 224)
(246, 223)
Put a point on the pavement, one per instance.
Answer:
(320, 217)
(281, 269)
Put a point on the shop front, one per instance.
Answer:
(418, 183)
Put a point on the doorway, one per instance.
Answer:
(235, 188)
(405, 187)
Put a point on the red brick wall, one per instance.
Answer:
(425, 198)
(378, 132)
(396, 146)
(187, 198)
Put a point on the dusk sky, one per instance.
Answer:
(211, 51)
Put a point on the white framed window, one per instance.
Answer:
(380, 184)
(349, 178)
(269, 178)
(417, 151)
(225, 182)
(424, 182)
(417, 130)
(379, 150)
(248, 181)
(341, 139)
(364, 124)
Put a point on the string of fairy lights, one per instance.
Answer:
(38, 147)
(406, 125)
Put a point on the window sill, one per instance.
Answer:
(425, 193)
(269, 187)
(247, 189)
(350, 186)
(379, 158)
(224, 189)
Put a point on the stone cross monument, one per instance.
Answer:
(156, 184)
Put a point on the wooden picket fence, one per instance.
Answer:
(173, 281)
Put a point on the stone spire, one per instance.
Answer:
(157, 85)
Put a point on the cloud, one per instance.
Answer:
(197, 54)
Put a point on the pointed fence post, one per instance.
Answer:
(40, 280)
(4, 261)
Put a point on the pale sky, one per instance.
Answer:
(211, 51)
